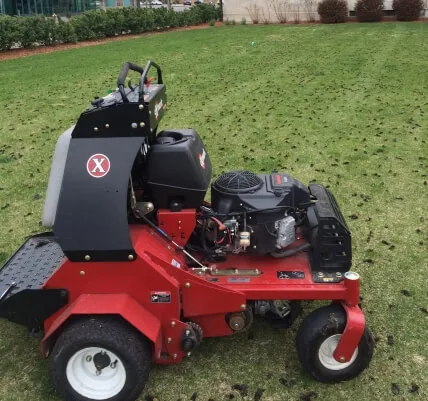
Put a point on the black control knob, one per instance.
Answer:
(97, 102)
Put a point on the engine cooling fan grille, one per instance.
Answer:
(238, 182)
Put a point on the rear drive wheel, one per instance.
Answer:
(317, 339)
(100, 359)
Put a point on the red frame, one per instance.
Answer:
(125, 288)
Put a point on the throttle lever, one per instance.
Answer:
(97, 102)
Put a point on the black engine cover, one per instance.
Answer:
(178, 169)
(238, 191)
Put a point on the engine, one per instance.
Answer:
(249, 213)
(253, 213)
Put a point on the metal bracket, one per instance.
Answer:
(235, 272)
(354, 329)
(4, 293)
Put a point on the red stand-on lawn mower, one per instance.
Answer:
(139, 268)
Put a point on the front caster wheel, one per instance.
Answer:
(317, 340)
(100, 359)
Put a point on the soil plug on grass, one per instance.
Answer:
(242, 388)
(414, 388)
(309, 396)
(395, 388)
(287, 382)
(258, 394)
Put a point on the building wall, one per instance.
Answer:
(118, 3)
(47, 7)
(302, 10)
(269, 10)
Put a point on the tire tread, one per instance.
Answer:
(317, 326)
(112, 332)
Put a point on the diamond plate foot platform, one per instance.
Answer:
(31, 265)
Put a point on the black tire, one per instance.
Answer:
(113, 335)
(319, 326)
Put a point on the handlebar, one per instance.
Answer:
(143, 78)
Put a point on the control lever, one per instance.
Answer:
(97, 102)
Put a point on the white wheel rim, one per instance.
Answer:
(326, 350)
(90, 383)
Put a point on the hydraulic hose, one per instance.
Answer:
(290, 252)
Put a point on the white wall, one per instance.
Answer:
(292, 9)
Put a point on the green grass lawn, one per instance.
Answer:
(343, 105)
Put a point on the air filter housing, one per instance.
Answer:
(238, 182)
(239, 191)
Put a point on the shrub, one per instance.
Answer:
(244, 21)
(310, 7)
(369, 10)
(65, 32)
(333, 11)
(115, 21)
(408, 10)
(136, 20)
(173, 21)
(160, 18)
(10, 32)
(207, 12)
(212, 22)
(81, 27)
(97, 22)
(37, 30)
(177, 19)
(254, 11)
(281, 9)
